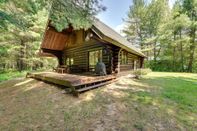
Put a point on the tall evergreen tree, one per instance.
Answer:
(168, 36)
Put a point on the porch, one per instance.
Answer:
(76, 82)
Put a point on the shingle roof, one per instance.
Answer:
(117, 39)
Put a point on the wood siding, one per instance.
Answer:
(133, 62)
(109, 55)
(81, 52)
(72, 45)
(75, 39)
(54, 40)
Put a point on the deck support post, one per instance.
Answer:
(75, 93)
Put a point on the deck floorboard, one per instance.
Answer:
(73, 80)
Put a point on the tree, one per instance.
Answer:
(13, 11)
(167, 36)
(62, 12)
(136, 21)
(22, 25)
(143, 25)
(22, 44)
(79, 13)
(190, 8)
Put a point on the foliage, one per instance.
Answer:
(11, 74)
(13, 12)
(165, 34)
(23, 22)
(79, 13)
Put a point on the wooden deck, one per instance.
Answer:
(77, 82)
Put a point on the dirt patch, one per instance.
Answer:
(108, 121)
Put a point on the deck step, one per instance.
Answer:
(94, 81)
(95, 86)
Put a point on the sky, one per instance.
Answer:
(117, 10)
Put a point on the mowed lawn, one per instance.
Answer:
(158, 101)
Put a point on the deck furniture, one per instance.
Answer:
(61, 69)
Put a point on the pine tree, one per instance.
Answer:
(22, 25)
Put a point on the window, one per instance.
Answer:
(94, 56)
(124, 58)
(69, 61)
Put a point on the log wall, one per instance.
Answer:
(134, 62)
(69, 44)
(81, 52)
(110, 55)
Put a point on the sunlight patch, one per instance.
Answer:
(131, 82)
(191, 118)
(89, 96)
(112, 90)
(31, 87)
(118, 94)
(24, 82)
(155, 103)
(170, 111)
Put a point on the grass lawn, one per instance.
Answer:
(11, 74)
(180, 90)
(158, 101)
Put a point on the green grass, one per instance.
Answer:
(179, 89)
(12, 74)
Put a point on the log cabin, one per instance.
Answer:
(80, 50)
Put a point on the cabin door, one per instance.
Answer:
(94, 57)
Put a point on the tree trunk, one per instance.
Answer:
(154, 51)
(192, 50)
(20, 61)
(174, 55)
(181, 50)
(191, 57)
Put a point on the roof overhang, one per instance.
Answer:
(114, 42)
(53, 40)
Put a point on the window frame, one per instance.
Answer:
(92, 67)
(69, 61)
(124, 58)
